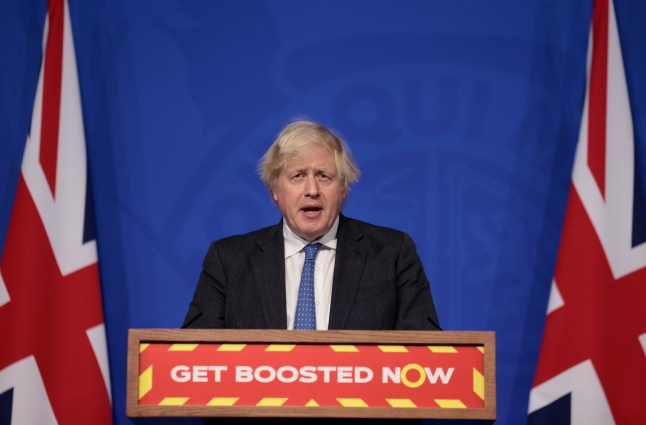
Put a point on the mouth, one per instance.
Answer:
(311, 211)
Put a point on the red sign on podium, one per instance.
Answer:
(333, 373)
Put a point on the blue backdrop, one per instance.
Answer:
(463, 116)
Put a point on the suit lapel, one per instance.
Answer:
(349, 263)
(269, 272)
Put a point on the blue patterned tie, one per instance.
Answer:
(305, 308)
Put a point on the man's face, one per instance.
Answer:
(309, 193)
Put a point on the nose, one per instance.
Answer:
(311, 186)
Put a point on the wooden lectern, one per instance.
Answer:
(328, 374)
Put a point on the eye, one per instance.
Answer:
(324, 177)
(298, 176)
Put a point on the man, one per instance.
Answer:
(364, 277)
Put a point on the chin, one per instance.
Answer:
(311, 235)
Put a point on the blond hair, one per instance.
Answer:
(294, 140)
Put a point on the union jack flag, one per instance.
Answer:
(53, 360)
(592, 363)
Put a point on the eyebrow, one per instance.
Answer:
(295, 168)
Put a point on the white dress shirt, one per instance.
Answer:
(323, 273)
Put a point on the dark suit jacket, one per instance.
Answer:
(379, 282)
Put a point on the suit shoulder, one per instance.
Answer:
(376, 231)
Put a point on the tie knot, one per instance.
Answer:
(311, 250)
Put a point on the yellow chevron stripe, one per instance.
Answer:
(400, 402)
(311, 403)
(142, 347)
(173, 401)
(183, 347)
(442, 349)
(449, 403)
(352, 402)
(344, 348)
(393, 349)
(271, 401)
(145, 381)
(481, 348)
(231, 347)
(280, 347)
(478, 383)
(223, 401)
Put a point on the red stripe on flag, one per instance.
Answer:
(53, 70)
(598, 94)
(48, 317)
(600, 320)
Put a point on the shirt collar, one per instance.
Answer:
(294, 243)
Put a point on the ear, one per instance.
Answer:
(274, 196)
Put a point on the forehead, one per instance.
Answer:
(316, 156)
